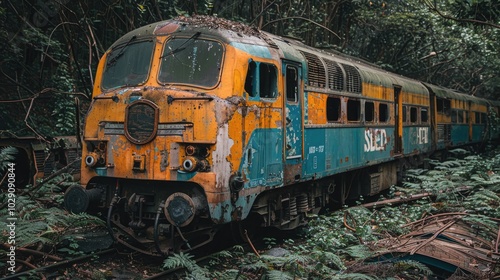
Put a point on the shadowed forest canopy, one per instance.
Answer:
(50, 48)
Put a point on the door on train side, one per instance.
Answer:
(398, 122)
(293, 130)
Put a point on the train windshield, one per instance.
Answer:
(191, 61)
(128, 65)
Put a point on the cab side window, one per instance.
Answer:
(261, 81)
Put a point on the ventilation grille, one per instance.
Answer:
(40, 160)
(341, 77)
(335, 75)
(353, 79)
(316, 70)
(444, 132)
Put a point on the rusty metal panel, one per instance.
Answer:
(449, 238)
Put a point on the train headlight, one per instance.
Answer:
(191, 164)
(180, 209)
(91, 159)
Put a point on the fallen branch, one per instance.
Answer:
(397, 200)
(35, 252)
(445, 227)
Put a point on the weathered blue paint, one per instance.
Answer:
(256, 50)
(262, 162)
(478, 131)
(459, 134)
(185, 176)
(416, 138)
(337, 149)
(223, 212)
(293, 116)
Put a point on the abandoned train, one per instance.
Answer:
(200, 122)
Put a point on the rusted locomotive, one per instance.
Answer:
(200, 122)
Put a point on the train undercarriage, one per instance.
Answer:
(160, 222)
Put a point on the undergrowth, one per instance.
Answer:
(338, 245)
(41, 223)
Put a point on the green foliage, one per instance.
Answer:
(328, 260)
(38, 223)
(336, 245)
(407, 265)
(194, 271)
(478, 10)
(7, 156)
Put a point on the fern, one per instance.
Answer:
(356, 276)
(186, 260)
(481, 221)
(7, 155)
(329, 259)
(254, 266)
(30, 232)
(286, 261)
(358, 251)
(228, 274)
(278, 275)
(409, 264)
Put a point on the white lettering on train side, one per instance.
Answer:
(375, 140)
(423, 135)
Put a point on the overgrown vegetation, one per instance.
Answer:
(338, 245)
(41, 223)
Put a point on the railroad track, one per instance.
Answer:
(107, 262)
(51, 268)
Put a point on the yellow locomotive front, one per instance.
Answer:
(159, 149)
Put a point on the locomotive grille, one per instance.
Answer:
(335, 75)
(444, 132)
(316, 70)
(141, 121)
(353, 78)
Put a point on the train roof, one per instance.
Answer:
(452, 94)
(261, 44)
(294, 50)
(225, 30)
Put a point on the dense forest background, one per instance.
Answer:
(50, 48)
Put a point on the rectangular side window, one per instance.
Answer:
(413, 114)
(267, 80)
(477, 117)
(383, 112)
(460, 116)
(369, 112)
(353, 110)
(443, 106)
(454, 116)
(292, 84)
(261, 80)
(424, 116)
(333, 109)
(404, 114)
(484, 118)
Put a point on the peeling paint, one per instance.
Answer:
(164, 160)
(222, 166)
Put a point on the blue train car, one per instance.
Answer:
(460, 119)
